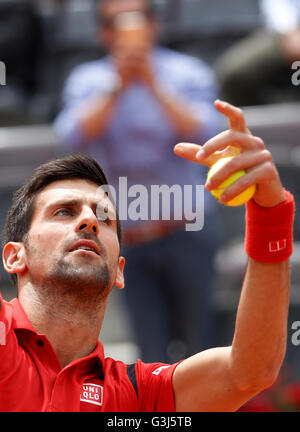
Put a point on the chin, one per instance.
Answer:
(84, 275)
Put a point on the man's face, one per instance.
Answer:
(67, 247)
(110, 33)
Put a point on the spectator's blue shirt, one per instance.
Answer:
(139, 139)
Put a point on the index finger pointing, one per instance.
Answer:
(234, 114)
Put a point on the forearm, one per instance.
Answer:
(95, 118)
(178, 112)
(261, 325)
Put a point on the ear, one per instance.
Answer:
(14, 258)
(120, 282)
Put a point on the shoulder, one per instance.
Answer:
(155, 386)
(91, 71)
(151, 382)
(89, 77)
(140, 372)
(184, 69)
(178, 60)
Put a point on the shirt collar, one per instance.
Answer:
(21, 321)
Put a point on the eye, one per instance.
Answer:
(64, 212)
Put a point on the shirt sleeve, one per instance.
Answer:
(82, 87)
(66, 124)
(201, 90)
(154, 386)
(195, 83)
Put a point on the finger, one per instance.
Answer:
(230, 138)
(189, 151)
(245, 161)
(234, 114)
(259, 174)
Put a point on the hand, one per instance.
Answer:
(144, 72)
(132, 62)
(124, 64)
(251, 155)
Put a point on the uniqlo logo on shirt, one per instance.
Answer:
(92, 393)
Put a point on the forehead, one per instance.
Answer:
(82, 191)
(113, 8)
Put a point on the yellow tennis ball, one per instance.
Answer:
(240, 199)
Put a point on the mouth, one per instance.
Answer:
(85, 246)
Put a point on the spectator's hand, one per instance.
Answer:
(250, 153)
(144, 71)
(124, 64)
(132, 62)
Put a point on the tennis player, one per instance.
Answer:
(65, 260)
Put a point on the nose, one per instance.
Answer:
(87, 221)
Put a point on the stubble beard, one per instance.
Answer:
(85, 282)
(73, 290)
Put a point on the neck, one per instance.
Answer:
(71, 328)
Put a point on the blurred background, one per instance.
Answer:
(250, 45)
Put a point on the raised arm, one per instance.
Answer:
(223, 379)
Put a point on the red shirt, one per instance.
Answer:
(32, 379)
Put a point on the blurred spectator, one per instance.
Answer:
(128, 110)
(20, 39)
(257, 69)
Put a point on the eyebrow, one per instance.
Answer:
(74, 202)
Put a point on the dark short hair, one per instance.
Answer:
(19, 217)
(150, 10)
